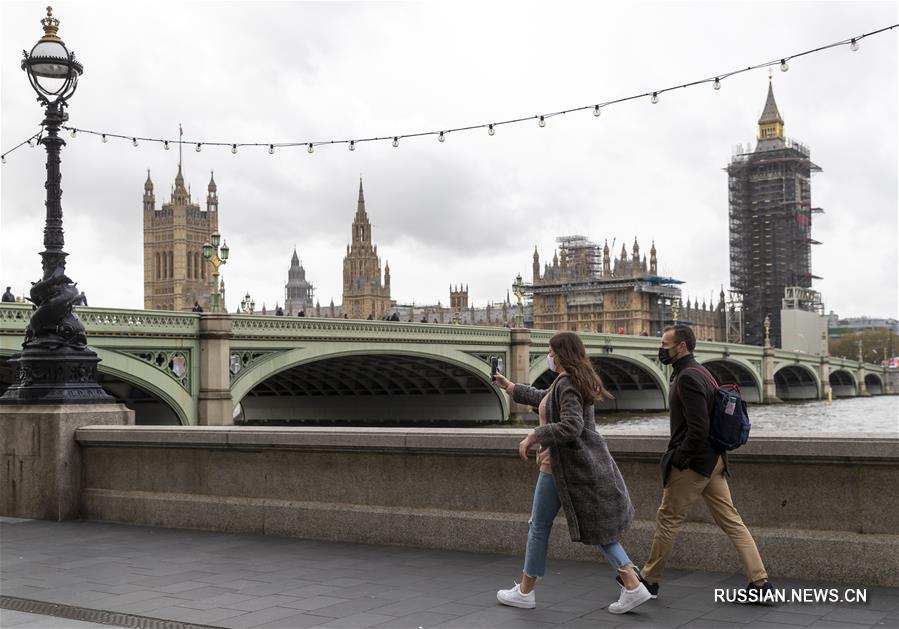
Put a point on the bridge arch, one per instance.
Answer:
(155, 398)
(363, 383)
(874, 384)
(636, 383)
(737, 371)
(843, 383)
(796, 381)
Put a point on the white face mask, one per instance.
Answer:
(550, 362)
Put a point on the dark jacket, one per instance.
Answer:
(690, 398)
(590, 486)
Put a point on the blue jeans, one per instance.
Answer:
(546, 507)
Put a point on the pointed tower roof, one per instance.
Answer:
(294, 259)
(770, 113)
(180, 190)
(212, 186)
(361, 216)
(148, 185)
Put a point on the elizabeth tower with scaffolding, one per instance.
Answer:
(770, 226)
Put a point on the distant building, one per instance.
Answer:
(584, 290)
(298, 292)
(175, 273)
(838, 327)
(770, 225)
(460, 311)
(364, 294)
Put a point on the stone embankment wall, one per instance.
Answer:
(820, 506)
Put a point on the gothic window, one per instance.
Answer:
(171, 264)
(203, 271)
(190, 265)
(158, 270)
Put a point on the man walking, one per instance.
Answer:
(692, 468)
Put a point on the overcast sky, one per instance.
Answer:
(469, 210)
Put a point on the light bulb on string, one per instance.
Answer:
(30, 143)
(133, 141)
(74, 132)
(199, 147)
(541, 122)
(352, 146)
(234, 149)
(783, 65)
(490, 129)
(717, 83)
(271, 149)
(441, 137)
(853, 46)
(396, 141)
(3, 159)
(596, 110)
(309, 148)
(103, 139)
(165, 145)
(655, 98)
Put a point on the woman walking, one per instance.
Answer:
(577, 474)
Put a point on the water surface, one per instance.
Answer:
(879, 414)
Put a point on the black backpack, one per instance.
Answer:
(728, 420)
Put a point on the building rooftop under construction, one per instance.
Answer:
(585, 289)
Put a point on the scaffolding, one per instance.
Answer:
(770, 221)
(582, 257)
(799, 298)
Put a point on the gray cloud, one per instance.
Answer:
(470, 209)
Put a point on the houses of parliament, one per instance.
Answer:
(583, 289)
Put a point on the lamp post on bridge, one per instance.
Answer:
(247, 305)
(55, 365)
(518, 290)
(216, 256)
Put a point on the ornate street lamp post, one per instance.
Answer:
(55, 365)
(247, 305)
(518, 290)
(216, 257)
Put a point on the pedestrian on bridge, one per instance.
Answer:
(693, 468)
(577, 474)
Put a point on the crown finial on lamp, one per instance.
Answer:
(51, 26)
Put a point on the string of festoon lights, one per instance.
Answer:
(491, 127)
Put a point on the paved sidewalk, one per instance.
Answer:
(242, 581)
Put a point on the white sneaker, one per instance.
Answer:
(630, 599)
(514, 598)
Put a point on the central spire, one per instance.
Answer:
(361, 216)
(771, 125)
(770, 113)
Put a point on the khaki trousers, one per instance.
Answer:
(682, 490)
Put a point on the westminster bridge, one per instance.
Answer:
(210, 369)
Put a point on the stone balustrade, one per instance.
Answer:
(820, 506)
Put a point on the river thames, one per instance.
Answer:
(877, 414)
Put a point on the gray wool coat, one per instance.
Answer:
(590, 486)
